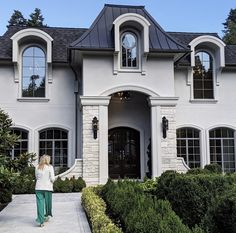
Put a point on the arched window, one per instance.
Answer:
(22, 145)
(203, 76)
(129, 50)
(54, 142)
(222, 150)
(188, 146)
(33, 72)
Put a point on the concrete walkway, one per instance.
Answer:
(68, 215)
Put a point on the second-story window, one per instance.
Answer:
(129, 50)
(203, 76)
(33, 72)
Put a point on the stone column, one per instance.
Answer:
(95, 155)
(164, 156)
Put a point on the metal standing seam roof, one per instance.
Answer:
(100, 35)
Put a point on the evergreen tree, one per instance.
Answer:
(230, 28)
(7, 139)
(17, 19)
(36, 19)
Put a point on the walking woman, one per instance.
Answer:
(45, 177)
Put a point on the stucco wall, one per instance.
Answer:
(98, 76)
(59, 111)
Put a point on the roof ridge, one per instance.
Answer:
(123, 6)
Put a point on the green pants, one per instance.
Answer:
(44, 205)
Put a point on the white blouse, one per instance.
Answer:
(44, 178)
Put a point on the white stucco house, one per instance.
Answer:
(123, 98)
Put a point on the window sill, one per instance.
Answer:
(203, 101)
(31, 99)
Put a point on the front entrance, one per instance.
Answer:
(124, 153)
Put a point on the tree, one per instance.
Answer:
(230, 28)
(36, 19)
(17, 19)
(7, 139)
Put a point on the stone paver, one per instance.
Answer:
(68, 215)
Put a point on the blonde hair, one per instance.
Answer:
(44, 160)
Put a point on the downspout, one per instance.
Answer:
(76, 92)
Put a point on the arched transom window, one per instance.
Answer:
(33, 72)
(129, 50)
(54, 142)
(188, 146)
(222, 149)
(203, 76)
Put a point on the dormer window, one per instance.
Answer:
(129, 58)
(33, 72)
(203, 85)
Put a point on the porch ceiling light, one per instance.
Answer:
(123, 95)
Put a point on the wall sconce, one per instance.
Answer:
(164, 126)
(95, 127)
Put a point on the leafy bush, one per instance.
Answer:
(68, 186)
(221, 217)
(139, 213)
(6, 184)
(95, 209)
(78, 184)
(213, 168)
(191, 195)
(24, 184)
(149, 185)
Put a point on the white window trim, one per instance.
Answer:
(214, 75)
(138, 40)
(32, 99)
(17, 49)
(144, 42)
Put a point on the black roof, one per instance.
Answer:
(100, 34)
(186, 37)
(62, 37)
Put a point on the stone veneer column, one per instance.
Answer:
(164, 155)
(95, 151)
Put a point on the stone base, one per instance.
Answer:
(75, 170)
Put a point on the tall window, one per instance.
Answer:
(129, 49)
(22, 145)
(54, 142)
(222, 149)
(188, 146)
(33, 72)
(203, 76)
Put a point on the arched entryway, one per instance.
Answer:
(124, 153)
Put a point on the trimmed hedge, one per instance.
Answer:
(95, 209)
(191, 196)
(140, 213)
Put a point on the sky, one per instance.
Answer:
(172, 15)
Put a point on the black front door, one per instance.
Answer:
(124, 153)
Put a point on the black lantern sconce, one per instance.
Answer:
(164, 126)
(95, 127)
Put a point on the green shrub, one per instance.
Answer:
(63, 186)
(78, 184)
(149, 185)
(6, 184)
(221, 217)
(213, 168)
(24, 184)
(197, 171)
(138, 212)
(95, 209)
(68, 186)
(191, 195)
